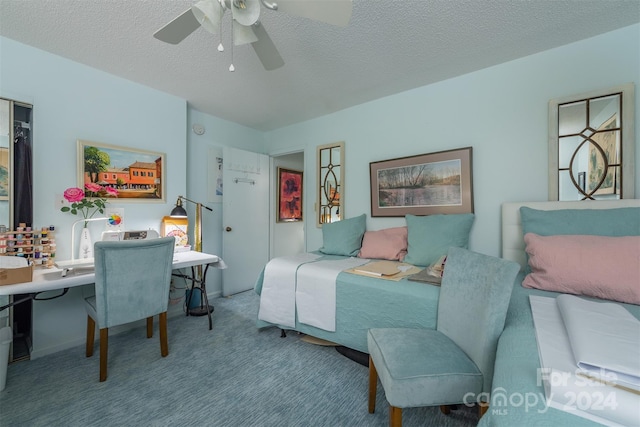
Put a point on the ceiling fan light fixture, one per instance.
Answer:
(246, 12)
(243, 34)
(209, 14)
(246, 27)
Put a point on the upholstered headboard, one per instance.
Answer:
(512, 238)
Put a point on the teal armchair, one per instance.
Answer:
(452, 364)
(132, 283)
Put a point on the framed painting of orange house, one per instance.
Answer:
(137, 175)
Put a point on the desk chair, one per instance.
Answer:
(452, 364)
(132, 283)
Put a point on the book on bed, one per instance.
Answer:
(380, 268)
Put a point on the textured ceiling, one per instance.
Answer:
(389, 46)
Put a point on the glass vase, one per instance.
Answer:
(86, 246)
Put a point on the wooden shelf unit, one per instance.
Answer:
(38, 246)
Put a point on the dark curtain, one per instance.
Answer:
(23, 191)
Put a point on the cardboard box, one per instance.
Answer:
(11, 276)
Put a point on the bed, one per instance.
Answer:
(368, 302)
(517, 398)
(364, 302)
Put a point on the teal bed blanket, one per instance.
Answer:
(517, 398)
(368, 302)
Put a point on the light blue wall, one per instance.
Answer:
(500, 111)
(71, 102)
(218, 133)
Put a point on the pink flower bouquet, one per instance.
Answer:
(87, 202)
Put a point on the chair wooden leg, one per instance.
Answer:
(91, 333)
(104, 345)
(164, 345)
(149, 327)
(373, 385)
(483, 407)
(395, 416)
(445, 409)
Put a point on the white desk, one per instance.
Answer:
(47, 334)
(50, 279)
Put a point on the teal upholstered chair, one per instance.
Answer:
(452, 364)
(132, 283)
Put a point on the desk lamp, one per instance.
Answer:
(179, 212)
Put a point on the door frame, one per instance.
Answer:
(273, 182)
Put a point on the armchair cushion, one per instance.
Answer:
(422, 367)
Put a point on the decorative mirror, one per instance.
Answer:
(591, 145)
(330, 183)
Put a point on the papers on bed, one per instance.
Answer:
(605, 339)
(590, 358)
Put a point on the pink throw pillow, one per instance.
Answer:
(596, 266)
(389, 243)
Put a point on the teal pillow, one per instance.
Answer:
(343, 237)
(430, 237)
(595, 222)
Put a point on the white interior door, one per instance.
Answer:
(245, 218)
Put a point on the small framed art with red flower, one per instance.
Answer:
(135, 175)
(289, 195)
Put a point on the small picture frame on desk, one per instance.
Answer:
(176, 227)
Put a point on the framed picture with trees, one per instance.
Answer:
(138, 175)
(427, 184)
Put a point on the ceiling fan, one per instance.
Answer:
(246, 24)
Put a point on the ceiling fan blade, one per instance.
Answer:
(178, 29)
(265, 49)
(335, 12)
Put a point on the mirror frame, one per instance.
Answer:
(627, 91)
(14, 185)
(321, 179)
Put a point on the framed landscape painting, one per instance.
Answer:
(137, 175)
(427, 184)
(289, 195)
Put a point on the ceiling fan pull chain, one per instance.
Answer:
(220, 46)
(231, 67)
